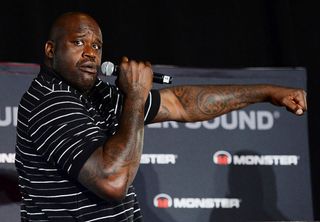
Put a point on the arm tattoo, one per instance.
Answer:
(164, 112)
(208, 101)
(89, 174)
(210, 104)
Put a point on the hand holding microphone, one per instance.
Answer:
(133, 78)
(108, 69)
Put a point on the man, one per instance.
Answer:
(79, 140)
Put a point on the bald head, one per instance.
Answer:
(63, 23)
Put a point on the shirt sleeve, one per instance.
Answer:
(63, 132)
(152, 106)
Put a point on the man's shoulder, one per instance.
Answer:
(42, 89)
(43, 93)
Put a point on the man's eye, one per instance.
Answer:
(78, 42)
(96, 46)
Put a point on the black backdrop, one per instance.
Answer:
(217, 34)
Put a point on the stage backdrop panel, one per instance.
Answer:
(250, 164)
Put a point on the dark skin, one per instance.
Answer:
(74, 51)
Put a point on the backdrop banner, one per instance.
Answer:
(248, 165)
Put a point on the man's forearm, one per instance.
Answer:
(122, 151)
(206, 102)
(111, 169)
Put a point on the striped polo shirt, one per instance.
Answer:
(58, 129)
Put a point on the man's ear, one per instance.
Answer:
(49, 49)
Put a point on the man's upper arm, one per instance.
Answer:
(170, 107)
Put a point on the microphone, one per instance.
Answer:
(108, 69)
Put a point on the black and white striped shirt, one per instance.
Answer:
(58, 129)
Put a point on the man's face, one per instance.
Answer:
(77, 52)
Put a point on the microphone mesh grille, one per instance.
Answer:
(107, 68)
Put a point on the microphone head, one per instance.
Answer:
(107, 68)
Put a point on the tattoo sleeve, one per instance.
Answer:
(206, 102)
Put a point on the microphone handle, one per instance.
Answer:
(108, 68)
(157, 77)
(161, 78)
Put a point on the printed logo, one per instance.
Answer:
(224, 158)
(158, 159)
(9, 116)
(162, 201)
(235, 120)
(165, 201)
(7, 157)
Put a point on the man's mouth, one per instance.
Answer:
(88, 67)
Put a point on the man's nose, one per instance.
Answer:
(89, 52)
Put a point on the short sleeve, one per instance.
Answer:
(63, 131)
(152, 106)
